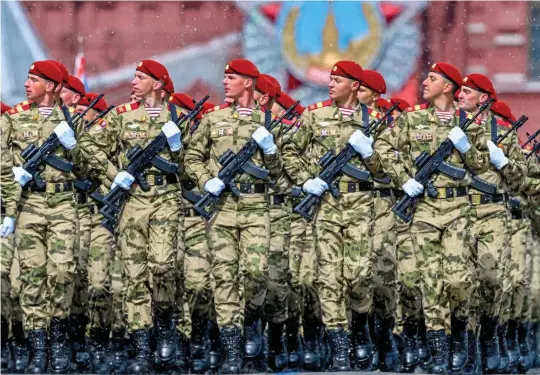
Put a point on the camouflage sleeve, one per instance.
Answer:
(294, 149)
(531, 183)
(80, 166)
(392, 142)
(178, 156)
(198, 153)
(374, 162)
(10, 191)
(516, 169)
(477, 157)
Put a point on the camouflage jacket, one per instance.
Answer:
(221, 129)
(10, 191)
(25, 126)
(324, 129)
(531, 183)
(419, 129)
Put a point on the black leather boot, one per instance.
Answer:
(424, 351)
(387, 347)
(438, 343)
(100, 340)
(252, 334)
(142, 363)
(60, 353)
(19, 345)
(7, 360)
(473, 359)
(38, 344)
(341, 348)
(361, 341)
(489, 345)
(77, 338)
(199, 345)
(215, 346)
(409, 339)
(525, 360)
(182, 351)
(166, 340)
(459, 348)
(232, 351)
(534, 343)
(294, 343)
(512, 344)
(503, 349)
(119, 357)
(312, 345)
(277, 356)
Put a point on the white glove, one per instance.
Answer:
(214, 186)
(459, 139)
(361, 144)
(265, 140)
(413, 188)
(21, 175)
(8, 226)
(173, 134)
(124, 180)
(496, 155)
(66, 135)
(315, 186)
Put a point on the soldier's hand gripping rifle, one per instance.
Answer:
(240, 162)
(333, 166)
(35, 157)
(428, 165)
(484, 186)
(139, 161)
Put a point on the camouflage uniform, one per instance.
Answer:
(148, 225)
(240, 229)
(342, 225)
(440, 227)
(47, 222)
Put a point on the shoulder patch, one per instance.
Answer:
(19, 108)
(374, 113)
(318, 105)
(127, 107)
(218, 107)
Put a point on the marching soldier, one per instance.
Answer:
(46, 228)
(440, 226)
(240, 230)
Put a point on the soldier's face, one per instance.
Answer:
(339, 88)
(468, 98)
(235, 85)
(36, 87)
(70, 98)
(367, 96)
(433, 86)
(90, 115)
(143, 84)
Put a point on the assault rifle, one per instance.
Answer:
(234, 163)
(484, 186)
(531, 138)
(335, 165)
(139, 160)
(428, 165)
(35, 158)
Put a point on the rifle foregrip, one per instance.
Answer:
(305, 207)
(401, 208)
(200, 206)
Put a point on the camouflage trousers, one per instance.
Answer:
(345, 256)
(7, 247)
(385, 265)
(278, 293)
(491, 255)
(82, 244)
(535, 277)
(239, 241)
(516, 303)
(117, 289)
(45, 239)
(148, 243)
(440, 228)
(15, 278)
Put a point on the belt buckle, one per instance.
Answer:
(245, 188)
(50, 188)
(476, 199)
(441, 193)
(352, 187)
(158, 180)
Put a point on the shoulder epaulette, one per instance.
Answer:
(318, 105)
(218, 107)
(127, 107)
(374, 113)
(417, 107)
(19, 108)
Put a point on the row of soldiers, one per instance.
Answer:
(456, 289)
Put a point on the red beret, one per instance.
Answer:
(286, 101)
(100, 106)
(242, 67)
(168, 86)
(383, 104)
(63, 70)
(75, 84)
(4, 108)
(374, 80)
(266, 86)
(207, 106)
(448, 71)
(481, 83)
(154, 70)
(348, 69)
(456, 94)
(182, 100)
(403, 104)
(275, 82)
(46, 69)
(502, 109)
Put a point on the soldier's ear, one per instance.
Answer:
(249, 83)
(483, 97)
(355, 85)
(264, 99)
(51, 87)
(158, 85)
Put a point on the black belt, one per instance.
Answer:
(353, 187)
(444, 193)
(277, 199)
(82, 198)
(159, 180)
(252, 188)
(382, 192)
(478, 199)
(50, 188)
(517, 214)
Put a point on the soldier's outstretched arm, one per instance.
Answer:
(294, 152)
(197, 154)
